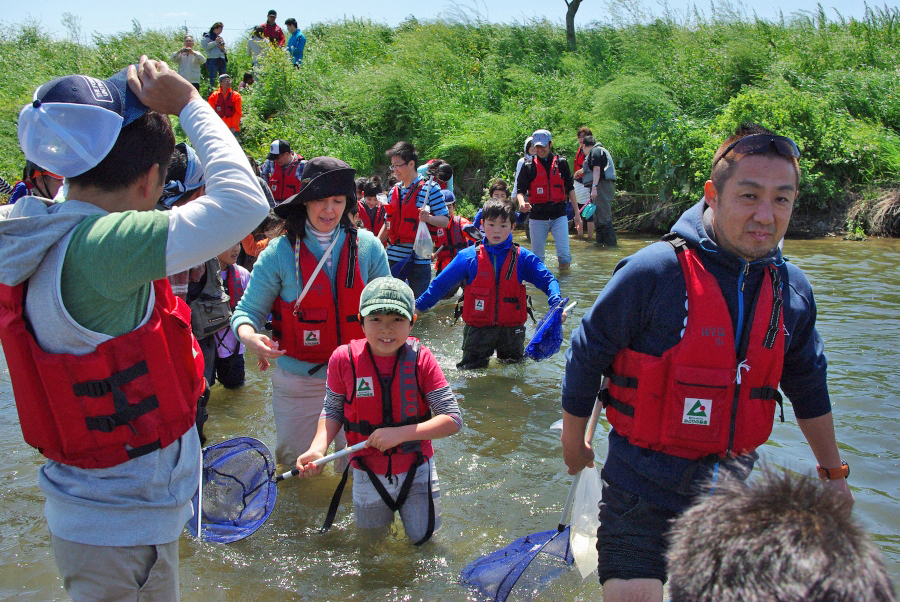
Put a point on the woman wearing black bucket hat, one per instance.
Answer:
(310, 280)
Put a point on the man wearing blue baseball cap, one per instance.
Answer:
(105, 371)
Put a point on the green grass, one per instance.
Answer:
(660, 95)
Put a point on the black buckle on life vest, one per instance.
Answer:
(626, 382)
(125, 412)
(621, 407)
(677, 242)
(767, 393)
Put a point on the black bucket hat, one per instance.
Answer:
(322, 177)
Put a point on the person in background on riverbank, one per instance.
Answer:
(256, 45)
(780, 538)
(309, 280)
(582, 193)
(216, 56)
(36, 181)
(120, 472)
(296, 43)
(715, 306)
(495, 306)
(600, 176)
(395, 471)
(412, 200)
(545, 184)
(271, 29)
(189, 62)
(227, 103)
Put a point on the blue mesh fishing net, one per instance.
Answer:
(239, 490)
(547, 337)
(540, 557)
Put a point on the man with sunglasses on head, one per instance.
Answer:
(694, 335)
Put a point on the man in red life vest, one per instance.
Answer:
(283, 170)
(272, 31)
(105, 371)
(227, 103)
(696, 334)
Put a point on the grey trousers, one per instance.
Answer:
(99, 573)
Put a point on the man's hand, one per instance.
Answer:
(594, 194)
(576, 453)
(578, 173)
(159, 87)
(840, 488)
(579, 225)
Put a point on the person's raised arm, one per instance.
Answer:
(233, 202)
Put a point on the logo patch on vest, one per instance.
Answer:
(311, 337)
(364, 387)
(479, 304)
(696, 411)
(540, 190)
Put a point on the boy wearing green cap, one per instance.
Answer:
(388, 390)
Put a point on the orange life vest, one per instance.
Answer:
(132, 395)
(702, 397)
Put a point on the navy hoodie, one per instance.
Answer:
(642, 308)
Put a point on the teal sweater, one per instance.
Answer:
(274, 274)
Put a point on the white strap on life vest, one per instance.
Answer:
(315, 273)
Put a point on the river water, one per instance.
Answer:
(502, 476)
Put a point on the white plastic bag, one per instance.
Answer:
(423, 246)
(585, 521)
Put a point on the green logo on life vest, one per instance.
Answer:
(311, 337)
(364, 387)
(696, 411)
(479, 304)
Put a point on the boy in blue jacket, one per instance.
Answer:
(495, 305)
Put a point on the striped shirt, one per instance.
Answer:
(431, 193)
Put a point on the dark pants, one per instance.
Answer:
(230, 370)
(208, 348)
(605, 233)
(418, 275)
(480, 342)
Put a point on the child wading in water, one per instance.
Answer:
(494, 299)
(229, 350)
(389, 391)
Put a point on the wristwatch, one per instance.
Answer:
(834, 474)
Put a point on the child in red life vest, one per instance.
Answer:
(494, 299)
(387, 372)
(229, 361)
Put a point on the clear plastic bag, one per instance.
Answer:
(585, 521)
(423, 247)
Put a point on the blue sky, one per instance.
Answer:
(239, 15)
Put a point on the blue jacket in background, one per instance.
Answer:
(295, 45)
(464, 267)
(642, 308)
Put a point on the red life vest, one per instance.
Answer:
(132, 395)
(325, 318)
(283, 181)
(403, 214)
(579, 159)
(452, 239)
(233, 286)
(225, 104)
(699, 398)
(499, 300)
(368, 224)
(544, 188)
(386, 401)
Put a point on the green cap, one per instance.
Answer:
(387, 293)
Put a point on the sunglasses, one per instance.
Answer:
(761, 143)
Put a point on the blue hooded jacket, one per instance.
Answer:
(642, 307)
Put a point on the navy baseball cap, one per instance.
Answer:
(73, 121)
